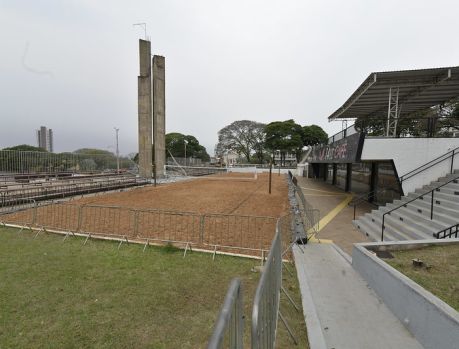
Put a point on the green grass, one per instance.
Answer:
(58, 294)
(441, 277)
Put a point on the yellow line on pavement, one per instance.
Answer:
(313, 239)
(323, 191)
(332, 214)
(337, 194)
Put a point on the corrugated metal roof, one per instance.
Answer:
(418, 90)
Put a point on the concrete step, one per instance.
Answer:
(438, 200)
(413, 220)
(448, 177)
(437, 194)
(425, 207)
(446, 189)
(394, 228)
(416, 211)
(369, 230)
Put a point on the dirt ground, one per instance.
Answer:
(226, 213)
(206, 195)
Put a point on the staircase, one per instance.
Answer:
(413, 221)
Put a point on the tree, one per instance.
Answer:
(175, 144)
(433, 121)
(243, 137)
(284, 136)
(313, 135)
(26, 147)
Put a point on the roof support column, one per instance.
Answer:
(393, 112)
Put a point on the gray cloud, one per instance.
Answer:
(225, 60)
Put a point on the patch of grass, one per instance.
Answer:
(441, 277)
(57, 294)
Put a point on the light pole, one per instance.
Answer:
(185, 149)
(117, 152)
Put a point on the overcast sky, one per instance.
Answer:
(73, 65)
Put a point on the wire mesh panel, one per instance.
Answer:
(267, 297)
(311, 215)
(107, 220)
(235, 231)
(21, 213)
(286, 226)
(168, 226)
(58, 216)
(14, 161)
(229, 328)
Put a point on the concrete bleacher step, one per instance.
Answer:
(421, 210)
(413, 217)
(401, 230)
(438, 200)
(413, 220)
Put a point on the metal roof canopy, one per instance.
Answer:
(396, 94)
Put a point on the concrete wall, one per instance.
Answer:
(145, 110)
(431, 321)
(410, 153)
(159, 113)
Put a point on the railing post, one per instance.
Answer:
(382, 227)
(136, 223)
(201, 229)
(431, 204)
(452, 162)
(80, 217)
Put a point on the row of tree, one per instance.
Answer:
(34, 159)
(439, 121)
(256, 141)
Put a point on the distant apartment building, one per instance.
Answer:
(45, 139)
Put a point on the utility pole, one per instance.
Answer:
(185, 150)
(117, 152)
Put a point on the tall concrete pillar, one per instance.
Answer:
(159, 114)
(145, 110)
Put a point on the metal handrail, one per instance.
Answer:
(230, 319)
(414, 199)
(365, 198)
(430, 164)
(343, 132)
(448, 232)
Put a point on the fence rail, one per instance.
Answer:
(311, 215)
(243, 234)
(229, 328)
(267, 298)
(50, 190)
(14, 161)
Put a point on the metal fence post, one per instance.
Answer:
(452, 162)
(80, 217)
(201, 228)
(136, 222)
(34, 216)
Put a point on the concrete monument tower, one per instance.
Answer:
(159, 114)
(145, 110)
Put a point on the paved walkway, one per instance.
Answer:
(339, 305)
(336, 215)
(341, 311)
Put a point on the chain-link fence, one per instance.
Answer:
(32, 162)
